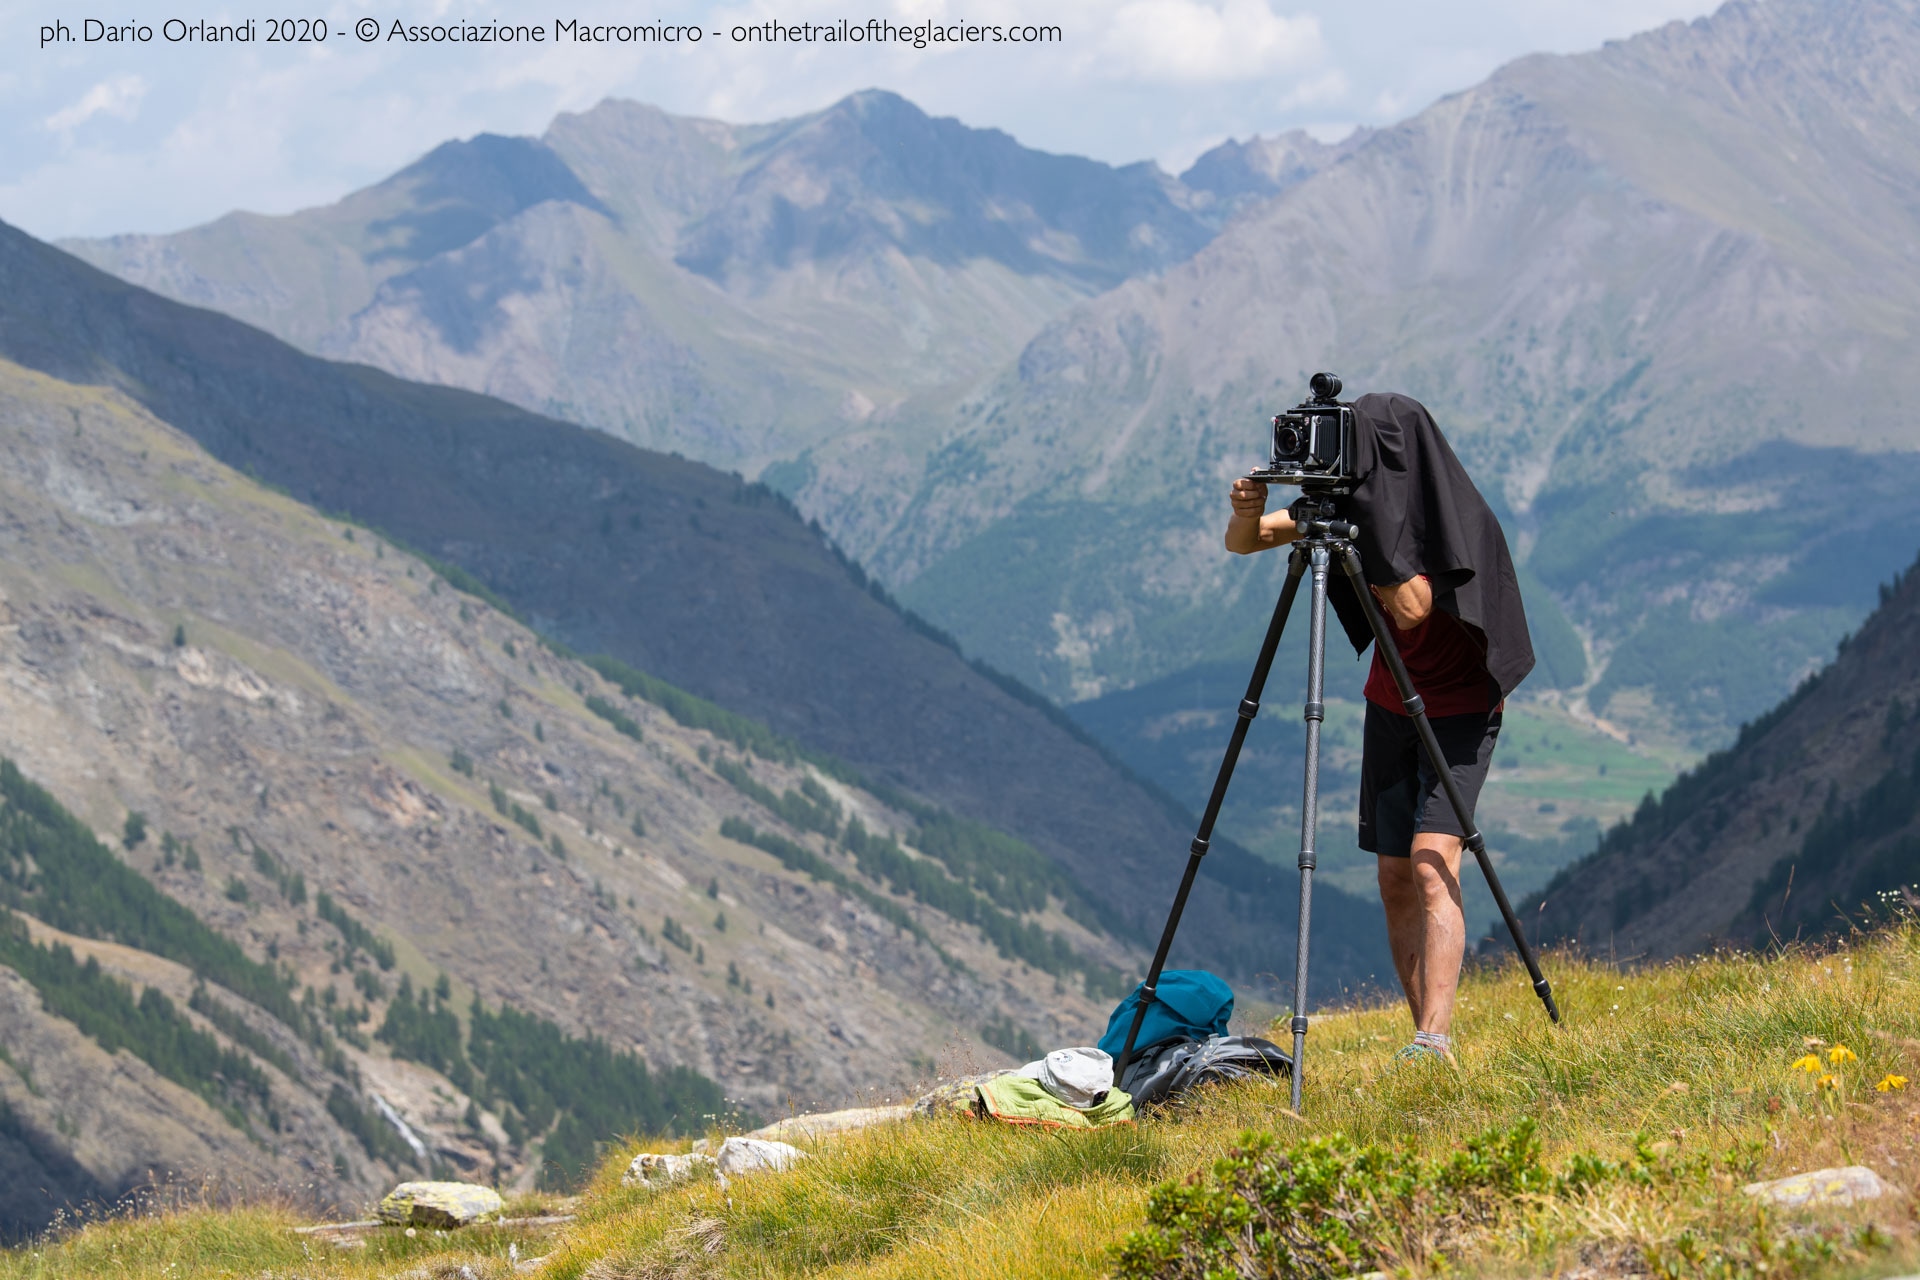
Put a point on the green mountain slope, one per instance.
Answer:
(1810, 820)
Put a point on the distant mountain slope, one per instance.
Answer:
(1811, 814)
(1662, 296)
(733, 292)
(677, 569)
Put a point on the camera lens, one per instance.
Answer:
(1287, 441)
(1326, 386)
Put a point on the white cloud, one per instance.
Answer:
(118, 97)
(1329, 86)
(198, 132)
(1195, 42)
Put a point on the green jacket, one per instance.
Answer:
(1019, 1099)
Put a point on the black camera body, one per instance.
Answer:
(1313, 442)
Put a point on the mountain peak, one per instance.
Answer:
(874, 172)
(1261, 167)
(461, 189)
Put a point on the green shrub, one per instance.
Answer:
(538, 1075)
(882, 858)
(236, 1029)
(373, 1133)
(797, 857)
(1327, 1208)
(697, 713)
(620, 720)
(809, 809)
(292, 885)
(426, 1031)
(149, 1025)
(53, 868)
(353, 932)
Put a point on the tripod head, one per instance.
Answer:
(1313, 514)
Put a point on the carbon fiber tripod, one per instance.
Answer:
(1321, 538)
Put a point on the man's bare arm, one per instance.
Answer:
(1252, 527)
(1409, 603)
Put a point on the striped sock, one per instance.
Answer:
(1437, 1041)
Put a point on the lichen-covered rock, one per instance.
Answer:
(1823, 1188)
(654, 1169)
(439, 1204)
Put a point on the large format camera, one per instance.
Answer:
(1313, 441)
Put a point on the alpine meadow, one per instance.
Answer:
(573, 711)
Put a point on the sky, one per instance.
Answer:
(140, 133)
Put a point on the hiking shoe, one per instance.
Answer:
(1424, 1053)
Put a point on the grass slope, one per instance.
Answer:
(1683, 1075)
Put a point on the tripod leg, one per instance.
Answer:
(1309, 801)
(1350, 560)
(1249, 707)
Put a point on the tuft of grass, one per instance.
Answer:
(199, 1240)
(1684, 1071)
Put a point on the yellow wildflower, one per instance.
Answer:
(1828, 1082)
(1809, 1064)
(1890, 1082)
(1840, 1053)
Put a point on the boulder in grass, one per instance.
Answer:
(1821, 1189)
(654, 1169)
(439, 1204)
(751, 1155)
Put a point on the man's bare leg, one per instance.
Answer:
(1425, 927)
(1406, 925)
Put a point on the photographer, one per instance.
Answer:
(1436, 560)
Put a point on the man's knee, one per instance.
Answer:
(1399, 889)
(1434, 871)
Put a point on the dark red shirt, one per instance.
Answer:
(1448, 663)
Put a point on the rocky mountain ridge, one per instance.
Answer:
(733, 292)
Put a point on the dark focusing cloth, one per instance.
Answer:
(1419, 513)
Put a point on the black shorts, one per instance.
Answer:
(1400, 794)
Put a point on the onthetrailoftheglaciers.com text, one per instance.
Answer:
(368, 30)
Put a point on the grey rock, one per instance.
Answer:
(656, 1169)
(1822, 1188)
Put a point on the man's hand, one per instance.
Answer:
(1408, 603)
(1252, 528)
(1249, 498)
